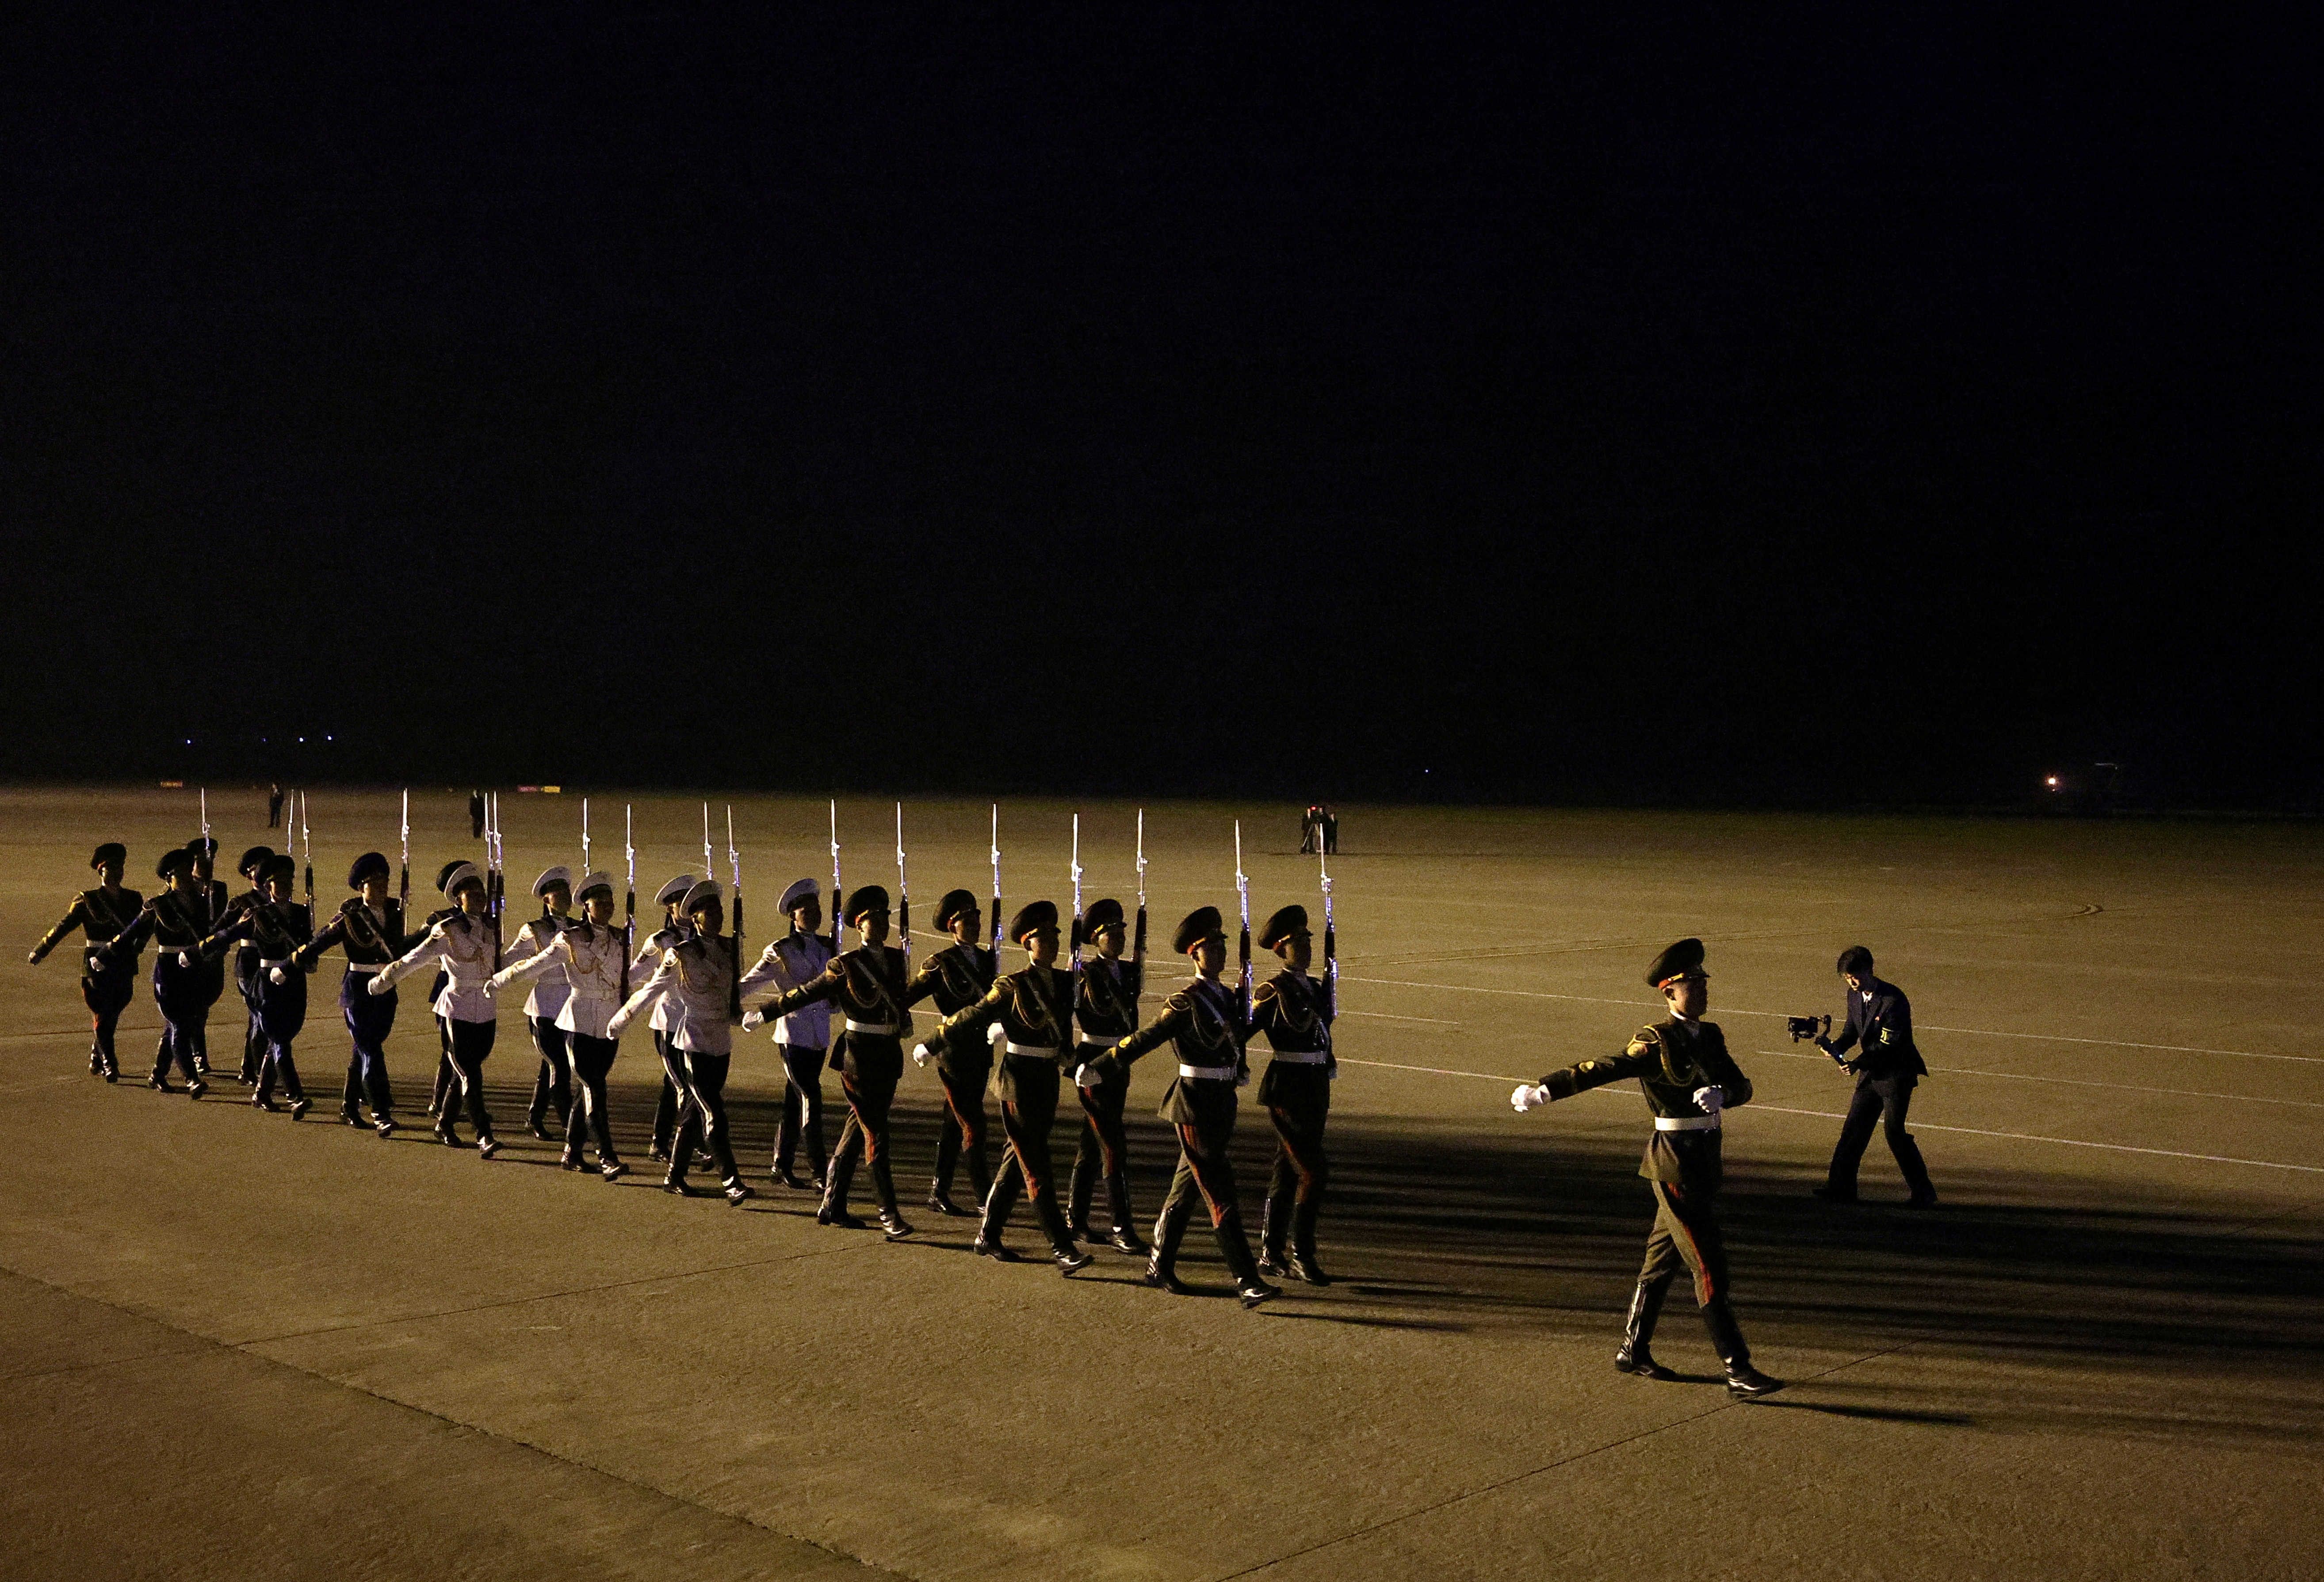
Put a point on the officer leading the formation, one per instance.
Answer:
(1887, 1069)
(1689, 1079)
(106, 983)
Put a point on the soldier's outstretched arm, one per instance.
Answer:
(969, 1019)
(1151, 1036)
(635, 1006)
(1634, 1061)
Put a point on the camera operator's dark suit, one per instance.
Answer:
(1879, 1021)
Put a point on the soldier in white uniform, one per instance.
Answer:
(673, 1070)
(803, 1037)
(553, 1083)
(696, 980)
(461, 948)
(590, 958)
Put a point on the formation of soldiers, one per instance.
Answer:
(1024, 1034)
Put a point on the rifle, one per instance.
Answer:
(996, 888)
(584, 838)
(903, 895)
(629, 903)
(1137, 948)
(836, 898)
(735, 940)
(1066, 1039)
(1331, 944)
(1242, 949)
(403, 877)
(307, 844)
(495, 882)
(206, 815)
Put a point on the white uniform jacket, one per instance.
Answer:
(650, 955)
(784, 965)
(552, 988)
(463, 947)
(589, 959)
(695, 982)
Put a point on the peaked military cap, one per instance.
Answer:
(282, 865)
(558, 875)
(1290, 920)
(704, 892)
(176, 859)
(1683, 960)
(593, 882)
(1032, 917)
(251, 859)
(870, 899)
(955, 904)
(1200, 923)
(1105, 914)
(670, 893)
(457, 874)
(201, 846)
(111, 852)
(366, 867)
(801, 892)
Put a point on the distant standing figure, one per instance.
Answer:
(273, 806)
(1330, 823)
(1886, 1070)
(475, 815)
(1310, 823)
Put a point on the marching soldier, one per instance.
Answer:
(1033, 1010)
(867, 985)
(1294, 1013)
(959, 976)
(1886, 1070)
(211, 902)
(589, 954)
(671, 899)
(448, 1073)
(1689, 1079)
(369, 927)
(277, 929)
(106, 984)
(246, 964)
(803, 1039)
(1205, 1021)
(1106, 1013)
(460, 948)
(696, 977)
(171, 920)
(553, 1082)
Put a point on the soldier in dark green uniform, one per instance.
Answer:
(106, 984)
(1033, 1009)
(1108, 1013)
(1206, 1022)
(1294, 1013)
(1688, 1078)
(958, 976)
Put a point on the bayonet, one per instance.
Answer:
(996, 887)
(629, 899)
(836, 906)
(735, 940)
(903, 893)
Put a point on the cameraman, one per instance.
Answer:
(1886, 1070)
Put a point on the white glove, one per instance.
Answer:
(1710, 1100)
(185, 959)
(1084, 1077)
(1529, 1096)
(378, 984)
(919, 1054)
(490, 985)
(996, 1035)
(273, 974)
(616, 1022)
(753, 1019)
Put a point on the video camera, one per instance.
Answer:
(1802, 1028)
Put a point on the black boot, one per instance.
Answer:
(1743, 1381)
(1303, 1242)
(997, 1204)
(1125, 1224)
(1235, 1248)
(1071, 1259)
(1275, 1229)
(1162, 1266)
(1077, 1197)
(947, 1160)
(1646, 1307)
(834, 1211)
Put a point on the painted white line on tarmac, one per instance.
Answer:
(2075, 1082)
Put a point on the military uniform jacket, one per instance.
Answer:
(1107, 1009)
(460, 947)
(790, 963)
(959, 976)
(277, 930)
(1670, 1062)
(1204, 1022)
(100, 918)
(866, 985)
(1031, 1010)
(589, 958)
(650, 954)
(550, 988)
(696, 981)
(173, 922)
(372, 937)
(245, 959)
(1881, 1022)
(1294, 1012)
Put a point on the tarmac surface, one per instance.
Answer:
(240, 1347)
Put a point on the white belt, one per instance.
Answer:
(1303, 1057)
(1208, 1073)
(855, 1027)
(1046, 1050)
(1686, 1123)
(266, 966)
(369, 966)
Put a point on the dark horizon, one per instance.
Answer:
(1829, 410)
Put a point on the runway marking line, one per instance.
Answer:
(2075, 1082)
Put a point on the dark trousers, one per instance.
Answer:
(211, 977)
(673, 1087)
(802, 1107)
(471, 1042)
(1205, 1171)
(1686, 1236)
(1026, 1117)
(370, 1018)
(106, 995)
(1301, 1165)
(1103, 1152)
(447, 1075)
(966, 1130)
(593, 1058)
(1883, 1102)
(553, 1083)
(253, 1036)
(870, 1065)
(702, 1115)
(178, 992)
(281, 1013)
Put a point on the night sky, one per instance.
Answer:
(1696, 407)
